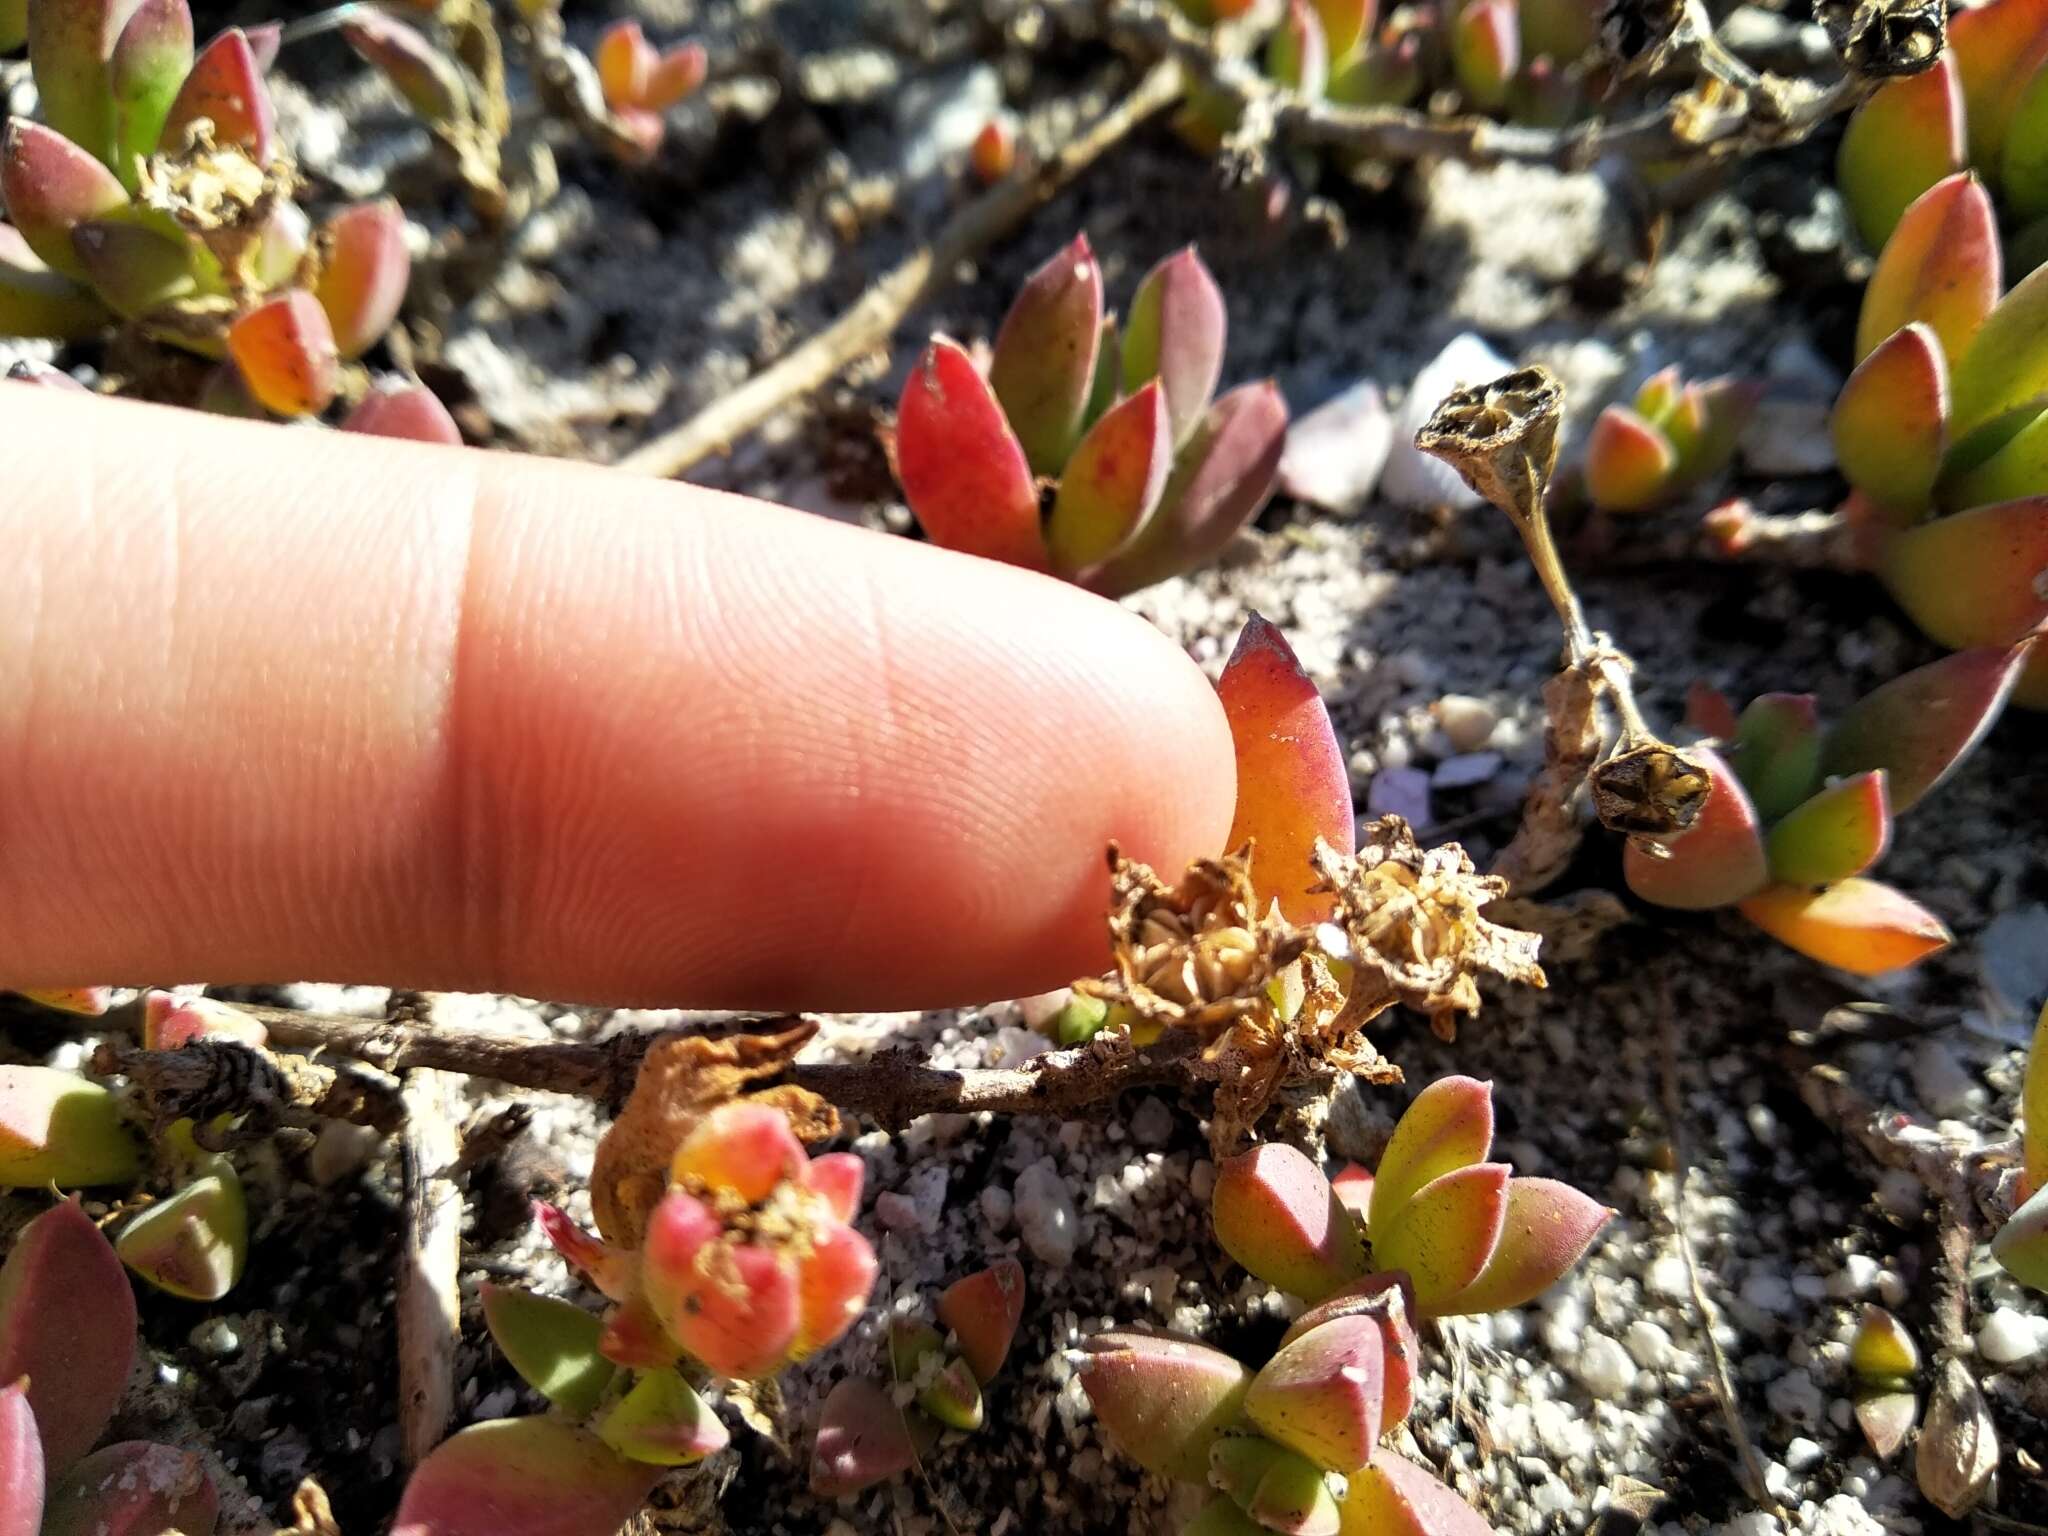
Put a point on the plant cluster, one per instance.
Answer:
(641, 82)
(1943, 429)
(1982, 107)
(1296, 1446)
(1666, 441)
(1147, 475)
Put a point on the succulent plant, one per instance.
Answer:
(1983, 107)
(1883, 1362)
(1796, 814)
(1146, 477)
(157, 194)
(868, 1432)
(1669, 439)
(67, 1339)
(641, 82)
(2021, 1244)
(1943, 432)
(993, 154)
(1437, 1230)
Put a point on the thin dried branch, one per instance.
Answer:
(1735, 533)
(877, 313)
(214, 1077)
(429, 1265)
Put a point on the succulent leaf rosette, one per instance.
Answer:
(1667, 440)
(1437, 1230)
(1796, 813)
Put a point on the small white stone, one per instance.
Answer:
(2009, 1337)
(1411, 477)
(1803, 1454)
(1797, 1397)
(1666, 1277)
(1649, 1344)
(1151, 1123)
(1768, 1291)
(1467, 722)
(1402, 792)
(1942, 1082)
(1465, 770)
(1844, 1515)
(1045, 1214)
(1604, 1366)
(1855, 1278)
(995, 1206)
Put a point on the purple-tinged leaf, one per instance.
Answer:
(1998, 49)
(1974, 578)
(983, 1310)
(1886, 1419)
(1711, 713)
(1839, 832)
(150, 59)
(425, 80)
(1776, 751)
(1486, 50)
(552, 1344)
(1942, 266)
(21, 1464)
(1919, 727)
(1219, 482)
(402, 408)
(133, 1489)
(51, 186)
(1174, 333)
(1044, 359)
(59, 1128)
(1898, 144)
(1298, 53)
(1163, 1399)
(226, 88)
(67, 1323)
(1292, 785)
(1858, 925)
(1629, 462)
(1443, 1236)
(265, 39)
(1715, 862)
(1335, 453)
(1448, 1126)
(363, 280)
(1890, 423)
(68, 44)
(195, 1244)
(522, 1477)
(2021, 1245)
(1320, 1395)
(864, 1439)
(964, 473)
(1394, 1497)
(1547, 1229)
(1388, 1299)
(1112, 483)
(1277, 1215)
(664, 1423)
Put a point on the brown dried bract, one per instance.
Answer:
(1412, 916)
(680, 1081)
(1652, 790)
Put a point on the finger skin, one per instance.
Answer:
(279, 703)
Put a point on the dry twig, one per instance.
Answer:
(877, 313)
(429, 1265)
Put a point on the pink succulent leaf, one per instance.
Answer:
(21, 1464)
(402, 408)
(1776, 751)
(1394, 1497)
(1174, 333)
(67, 1323)
(1630, 464)
(552, 1344)
(265, 38)
(1919, 728)
(1973, 578)
(63, 1129)
(1044, 359)
(963, 470)
(1276, 1215)
(149, 62)
(834, 1280)
(2021, 1245)
(737, 1308)
(1163, 1399)
(1942, 266)
(1886, 1419)
(426, 81)
(625, 64)
(1388, 1299)
(1547, 1229)
(836, 1178)
(983, 1310)
(133, 1489)
(663, 1423)
(613, 1271)
(1449, 1125)
(226, 88)
(171, 1022)
(364, 278)
(1321, 1394)
(1861, 926)
(195, 1244)
(1112, 482)
(1841, 831)
(864, 1439)
(1900, 142)
(1715, 862)
(1220, 480)
(1890, 423)
(1353, 1186)
(50, 186)
(522, 1477)
(1444, 1235)
(743, 1149)
(676, 75)
(1292, 783)
(1335, 453)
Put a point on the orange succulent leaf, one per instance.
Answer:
(1486, 50)
(284, 350)
(993, 154)
(1547, 1228)
(1943, 266)
(676, 75)
(1919, 727)
(89, 1002)
(1394, 1497)
(1839, 832)
(983, 1310)
(963, 471)
(1890, 423)
(625, 64)
(1858, 925)
(1997, 49)
(1716, 861)
(1629, 462)
(1292, 784)
(1898, 144)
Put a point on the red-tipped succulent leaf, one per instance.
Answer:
(1717, 861)
(1899, 143)
(1776, 751)
(1174, 333)
(50, 186)
(625, 64)
(1298, 53)
(1918, 728)
(67, 1324)
(426, 81)
(663, 1422)
(1486, 50)
(993, 154)
(284, 350)
(225, 87)
(1974, 578)
(151, 56)
(1112, 482)
(1841, 831)
(983, 1310)
(195, 1244)
(1394, 1497)
(964, 473)
(1277, 1215)
(1448, 1126)
(1860, 925)
(533, 1475)
(366, 271)
(1321, 1394)
(1890, 423)
(1388, 1299)
(1443, 1235)
(1629, 462)
(1942, 266)
(609, 1269)
(1163, 1399)
(170, 1022)
(1547, 1228)
(1044, 359)
(2006, 365)
(1998, 49)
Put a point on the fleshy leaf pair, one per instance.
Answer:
(641, 82)
(865, 1436)
(1943, 430)
(1982, 107)
(1460, 1233)
(1669, 440)
(1152, 478)
(1796, 814)
(1883, 1362)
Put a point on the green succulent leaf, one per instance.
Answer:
(1839, 832)
(552, 1344)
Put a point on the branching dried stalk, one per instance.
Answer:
(877, 313)
(429, 1268)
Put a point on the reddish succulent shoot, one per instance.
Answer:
(1858, 925)
(412, 66)
(1044, 358)
(963, 471)
(1670, 439)
(1277, 1215)
(364, 277)
(532, 1474)
(285, 351)
(1321, 1394)
(640, 83)
(67, 1325)
(1292, 784)
(401, 408)
(983, 1311)
(863, 1439)
(1486, 50)
(993, 154)
(1899, 143)
(226, 90)
(663, 1422)
(21, 1463)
